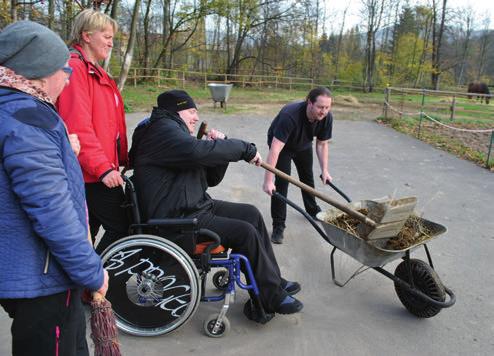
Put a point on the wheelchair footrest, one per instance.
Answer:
(255, 313)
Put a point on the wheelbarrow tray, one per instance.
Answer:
(371, 253)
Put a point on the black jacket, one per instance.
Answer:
(173, 170)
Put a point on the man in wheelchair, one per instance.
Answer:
(172, 171)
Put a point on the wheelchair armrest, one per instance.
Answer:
(215, 242)
(172, 222)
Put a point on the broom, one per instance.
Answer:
(103, 327)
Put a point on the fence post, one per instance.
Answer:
(183, 80)
(453, 108)
(135, 78)
(386, 102)
(421, 112)
(205, 81)
(489, 152)
(225, 77)
(290, 84)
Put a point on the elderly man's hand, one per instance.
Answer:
(214, 134)
(257, 160)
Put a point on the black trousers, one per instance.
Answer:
(303, 163)
(105, 209)
(50, 325)
(241, 228)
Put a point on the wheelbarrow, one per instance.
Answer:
(416, 283)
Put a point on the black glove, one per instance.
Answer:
(250, 152)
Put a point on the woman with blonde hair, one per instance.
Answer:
(92, 108)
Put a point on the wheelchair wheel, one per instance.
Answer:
(210, 322)
(154, 285)
(221, 279)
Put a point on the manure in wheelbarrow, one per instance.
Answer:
(412, 232)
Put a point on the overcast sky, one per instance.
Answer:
(335, 10)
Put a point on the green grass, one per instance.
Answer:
(410, 126)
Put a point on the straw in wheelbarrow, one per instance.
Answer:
(103, 327)
(385, 217)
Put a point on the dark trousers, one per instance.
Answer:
(50, 325)
(241, 228)
(105, 209)
(303, 163)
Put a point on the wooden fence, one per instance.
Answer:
(162, 77)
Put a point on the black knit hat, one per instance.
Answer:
(175, 101)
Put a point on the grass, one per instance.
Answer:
(447, 143)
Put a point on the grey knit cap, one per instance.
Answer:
(32, 50)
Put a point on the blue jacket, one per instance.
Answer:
(43, 226)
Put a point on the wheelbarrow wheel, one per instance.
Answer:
(427, 281)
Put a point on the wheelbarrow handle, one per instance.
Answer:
(338, 190)
(343, 207)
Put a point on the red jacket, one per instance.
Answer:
(92, 108)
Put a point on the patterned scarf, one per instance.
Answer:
(9, 79)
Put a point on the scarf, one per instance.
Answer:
(9, 79)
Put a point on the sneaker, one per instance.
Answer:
(291, 288)
(277, 235)
(289, 305)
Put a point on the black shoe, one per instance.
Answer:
(289, 305)
(277, 235)
(291, 288)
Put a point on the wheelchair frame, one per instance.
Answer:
(140, 303)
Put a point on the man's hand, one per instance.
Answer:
(75, 144)
(268, 187)
(104, 287)
(326, 177)
(112, 179)
(257, 160)
(215, 135)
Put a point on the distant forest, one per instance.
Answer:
(430, 46)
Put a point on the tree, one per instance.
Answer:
(437, 38)
(129, 53)
(373, 12)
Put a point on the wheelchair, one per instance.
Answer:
(158, 275)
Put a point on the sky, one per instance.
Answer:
(336, 8)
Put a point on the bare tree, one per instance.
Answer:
(437, 38)
(338, 44)
(373, 12)
(466, 16)
(484, 46)
(129, 53)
